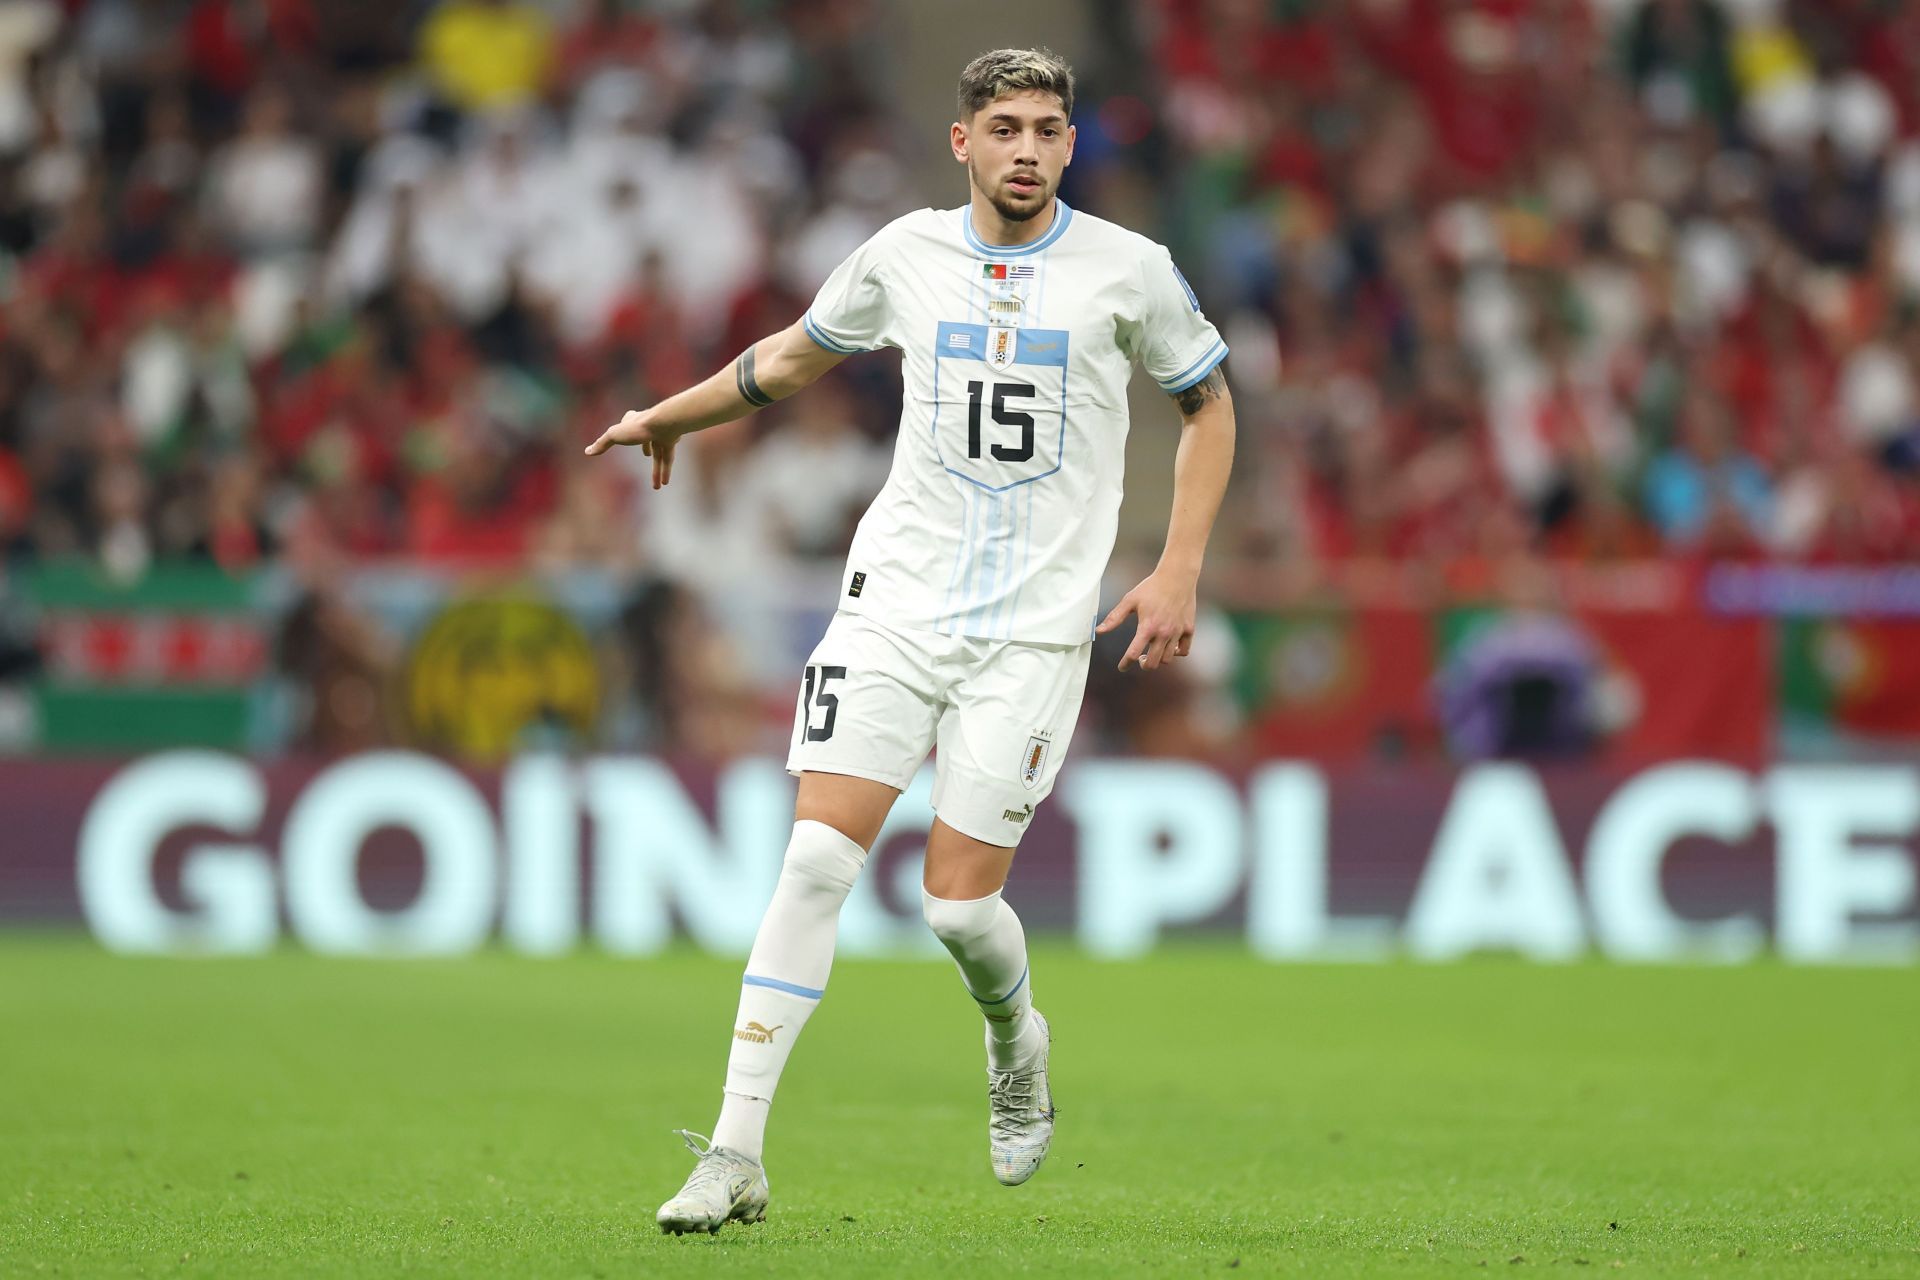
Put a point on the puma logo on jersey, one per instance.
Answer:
(755, 1033)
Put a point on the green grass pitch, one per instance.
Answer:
(507, 1116)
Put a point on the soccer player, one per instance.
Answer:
(968, 606)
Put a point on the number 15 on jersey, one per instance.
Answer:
(1008, 430)
(1023, 422)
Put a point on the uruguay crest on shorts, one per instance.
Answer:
(1033, 761)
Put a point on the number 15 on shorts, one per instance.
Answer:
(818, 706)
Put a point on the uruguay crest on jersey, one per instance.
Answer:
(1000, 343)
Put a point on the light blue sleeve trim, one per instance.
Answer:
(1197, 370)
(791, 988)
(814, 331)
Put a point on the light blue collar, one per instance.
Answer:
(1061, 216)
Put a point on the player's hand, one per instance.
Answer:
(1165, 604)
(656, 440)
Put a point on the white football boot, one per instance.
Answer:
(1020, 1127)
(723, 1187)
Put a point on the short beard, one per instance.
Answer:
(1009, 212)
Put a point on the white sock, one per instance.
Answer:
(786, 976)
(985, 939)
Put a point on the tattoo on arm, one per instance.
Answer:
(743, 378)
(1211, 387)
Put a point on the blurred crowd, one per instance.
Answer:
(1581, 278)
(329, 283)
(1590, 278)
(317, 282)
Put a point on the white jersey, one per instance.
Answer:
(999, 514)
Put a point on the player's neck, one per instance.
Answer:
(996, 232)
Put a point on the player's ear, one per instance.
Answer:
(958, 138)
(1072, 133)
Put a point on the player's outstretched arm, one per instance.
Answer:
(1167, 601)
(771, 369)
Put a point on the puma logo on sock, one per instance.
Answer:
(754, 1033)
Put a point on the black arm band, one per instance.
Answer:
(743, 378)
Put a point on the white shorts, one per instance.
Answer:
(874, 700)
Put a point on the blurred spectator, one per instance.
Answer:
(1678, 56)
(341, 662)
(815, 476)
(486, 54)
(1705, 489)
(25, 27)
(233, 46)
(692, 688)
(265, 185)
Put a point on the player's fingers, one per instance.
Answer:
(1156, 653)
(663, 463)
(1119, 615)
(1133, 650)
(1185, 645)
(619, 433)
